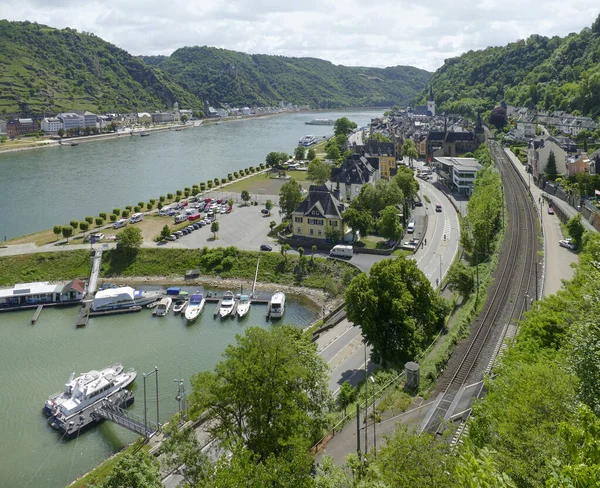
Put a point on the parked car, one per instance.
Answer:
(264, 211)
(178, 234)
(98, 237)
(550, 211)
(567, 243)
(418, 203)
(438, 207)
(265, 247)
(172, 237)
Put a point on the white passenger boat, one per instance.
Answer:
(122, 298)
(320, 122)
(307, 141)
(227, 303)
(163, 307)
(243, 305)
(86, 389)
(179, 305)
(195, 306)
(277, 304)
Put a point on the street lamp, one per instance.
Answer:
(366, 401)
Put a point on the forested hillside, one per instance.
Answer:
(223, 76)
(550, 73)
(51, 70)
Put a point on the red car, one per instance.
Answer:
(194, 217)
(183, 204)
(207, 200)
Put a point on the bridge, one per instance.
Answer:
(130, 421)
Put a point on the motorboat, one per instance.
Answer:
(243, 305)
(123, 297)
(277, 304)
(307, 141)
(227, 304)
(320, 122)
(163, 307)
(87, 388)
(179, 305)
(194, 307)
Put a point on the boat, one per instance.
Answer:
(163, 307)
(277, 304)
(144, 134)
(307, 141)
(243, 306)
(179, 305)
(320, 122)
(87, 388)
(194, 307)
(123, 297)
(153, 304)
(227, 303)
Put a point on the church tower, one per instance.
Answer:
(431, 102)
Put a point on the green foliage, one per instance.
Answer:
(269, 392)
(84, 226)
(275, 158)
(346, 395)
(269, 206)
(312, 154)
(246, 196)
(576, 229)
(74, 224)
(551, 170)
(67, 231)
(214, 228)
(165, 232)
(374, 198)
(343, 126)
(290, 196)
(113, 218)
(299, 153)
(90, 219)
(138, 470)
(398, 294)
(409, 150)
(318, 171)
(460, 278)
(388, 224)
(333, 152)
(57, 230)
(358, 220)
(406, 181)
(130, 239)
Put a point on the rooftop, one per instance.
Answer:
(466, 164)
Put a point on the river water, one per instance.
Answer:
(41, 188)
(44, 187)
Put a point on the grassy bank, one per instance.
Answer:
(50, 266)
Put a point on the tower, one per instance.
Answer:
(431, 102)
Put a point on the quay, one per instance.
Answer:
(37, 314)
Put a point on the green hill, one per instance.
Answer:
(51, 70)
(550, 73)
(223, 76)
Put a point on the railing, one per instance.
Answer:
(127, 420)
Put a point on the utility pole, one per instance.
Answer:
(358, 430)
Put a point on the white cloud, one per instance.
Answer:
(375, 33)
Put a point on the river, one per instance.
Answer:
(44, 187)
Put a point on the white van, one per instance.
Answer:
(136, 217)
(164, 211)
(410, 228)
(342, 251)
(120, 223)
(180, 218)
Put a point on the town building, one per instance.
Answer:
(90, 120)
(539, 151)
(51, 124)
(71, 120)
(458, 173)
(349, 178)
(19, 127)
(318, 215)
(2, 126)
(144, 118)
(382, 156)
(31, 294)
(581, 163)
(162, 117)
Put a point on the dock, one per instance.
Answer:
(254, 301)
(219, 301)
(96, 262)
(37, 314)
(117, 311)
(83, 316)
(268, 314)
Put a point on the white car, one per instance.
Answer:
(567, 243)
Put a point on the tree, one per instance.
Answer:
(287, 404)
(230, 202)
(56, 230)
(246, 196)
(318, 171)
(67, 231)
(346, 395)
(388, 224)
(357, 220)
(90, 219)
(137, 470)
(61, 132)
(299, 153)
(165, 232)
(406, 181)
(269, 206)
(312, 154)
(333, 152)
(498, 117)
(343, 126)
(409, 150)
(460, 279)
(214, 228)
(130, 239)
(74, 224)
(551, 170)
(84, 226)
(290, 196)
(301, 251)
(313, 250)
(272, 225)
(396, 308)
(284, 250)
(575, 229)
(276, 158)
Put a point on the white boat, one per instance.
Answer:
(277, 304)
(320, 122)
(195, 306)
(179, 305)
(122, 297)
(227, 303)
(86, 389)
(243, 305)
(307, 141)
(163, 307)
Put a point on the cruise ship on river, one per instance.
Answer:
(307, 141)
(320, 122)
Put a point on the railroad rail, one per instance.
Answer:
(509, 297)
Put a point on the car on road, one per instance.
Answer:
(418, 203)
(568, 243)
(178, 234)
(265, 247)
(98, 237)
(172, 237)
(438, 207)
(264, 211)
(550, 211)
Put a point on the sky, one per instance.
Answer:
(375, 33)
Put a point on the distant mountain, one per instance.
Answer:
(222, 76)
(51, 70)
(549, 73)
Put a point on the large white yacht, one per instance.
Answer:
(227, 304)
(123, 297)
(277, 304)
(307, 141)
(195, 306)
(86, 389)
(243, 306)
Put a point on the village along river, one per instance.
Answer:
(40, 188)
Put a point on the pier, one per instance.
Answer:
(96, 262)
(37, 313)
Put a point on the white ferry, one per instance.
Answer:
(320, 122)
(307, 141)
(277, 304)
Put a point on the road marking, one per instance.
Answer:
(335, 339)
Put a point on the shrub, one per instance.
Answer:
(162, 198)
(116, 211)
(169, 196)
(102, 215)
(152, 201)
(149, 206)
(179, 193)
(100, 221)
(137, 208)
(74, 224)
(125, 214)
(129, 207)
(113, 218)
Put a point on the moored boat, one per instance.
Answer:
(179, 305)
(123, 297)
(307, 141)
(163, 307)
(320, 122)
(243, 306)
(194, 307)
(277, 304)
(227, 303)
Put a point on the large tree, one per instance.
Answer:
(290, 196)
(269, 392)
(138, 470)
(358, 220)
(406, 181)
(576, 229)
(551, 170)
(318, 171)
(388, 224)
(299, 153)
(343, 126)
(409, 150)
(130, 239)
(397, 309)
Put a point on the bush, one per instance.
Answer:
(113, 218)
(116, 211)
(129, 207)
(179, 193)
(162, 198)
(102, 215)
(169, 196)
(125, 214)
(74, 224)
(137, 208)
(100, 221)
(152, 201)
(149, 206)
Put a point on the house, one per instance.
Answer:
(385, 153)
(18, 127)
(459, 173)
(2, 126)
(90, 120)
(144, 118)
(51, 124)
(539, 152)
(71, 120)
(31, 294)
(162, 117)
(527, 129)
(349, 178)
(581, 163)
(318, 215)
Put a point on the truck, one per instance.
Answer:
(342, 251)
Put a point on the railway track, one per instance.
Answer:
(508, 298)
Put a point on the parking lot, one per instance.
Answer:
(245, 228)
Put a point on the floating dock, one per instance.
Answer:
(37, 313)
(116, 311)
(82, 318)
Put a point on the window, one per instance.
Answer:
(299, 230)
(333, 223)
(315, 221)
(298, 220)
(320, 232)
(312, 232)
